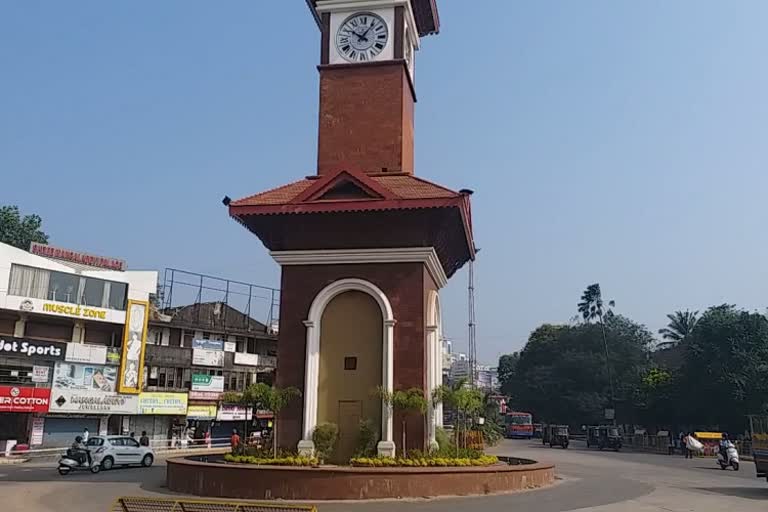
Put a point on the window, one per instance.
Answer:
(252, 346)
(117, 442)
(206, 335)
(63, 287)
(132, 443)
(93, 292)
(187, 378)
(240, 341)
(95, 441)
(161, 377)
(29, 282)
(350, 363)
(170, 378)
(189, 336)
(117, 294)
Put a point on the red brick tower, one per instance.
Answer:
(364, 244)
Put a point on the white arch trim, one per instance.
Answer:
(312, 359)
(434, 364)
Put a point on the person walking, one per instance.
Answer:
(235, 441)
(688, 451)
(85, 435)
(144, 439)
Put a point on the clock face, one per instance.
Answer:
(362, 37)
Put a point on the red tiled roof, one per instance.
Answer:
(403, 186)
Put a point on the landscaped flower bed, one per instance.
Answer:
(271, 461)
(423, 462)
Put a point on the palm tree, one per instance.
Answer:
(591, 308)
(680, 326)
(264, 397)
(410, 401)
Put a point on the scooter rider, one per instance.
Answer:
(80, 452)
(725, 443)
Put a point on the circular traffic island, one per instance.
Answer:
(215, 477)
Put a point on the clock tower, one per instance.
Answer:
(364, 245)
(367, 93)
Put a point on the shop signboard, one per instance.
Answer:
(201, 412)
(21, 347)
(203, 382)
(208, 353)
(230, 346)
(65, 309)
(40, 374)
(71, 376)
(234, 413)
(73, 401)
(83, 258)
(247, 359)
(132, 367)
(84, 353)
(38, 426)
(170, 404)
(24, 399)
(205, 395)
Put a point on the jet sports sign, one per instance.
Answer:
(30, 348)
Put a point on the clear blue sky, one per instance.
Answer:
(619, 142)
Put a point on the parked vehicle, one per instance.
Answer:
(604, 436)
(556, 435)
(518, 425)
(758, 428)
(107, 452)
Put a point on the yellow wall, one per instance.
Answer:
(351, 326)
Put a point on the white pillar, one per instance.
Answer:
(311, 378)
(386, 447)
(431, 385)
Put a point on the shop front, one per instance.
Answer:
(159, 415)
(18, 407)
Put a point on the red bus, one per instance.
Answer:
(518, 425)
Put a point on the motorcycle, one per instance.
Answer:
(729, 457)
(70, 462)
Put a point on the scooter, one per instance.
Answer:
(69, 463)
(729, 458)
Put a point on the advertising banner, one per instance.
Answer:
(10, 346)
(208, 344)
(247, 359)
(83, 377)
(82, 353)
(204, 395)
(202, 382)
(113, 356)
(24, 399)
(234, 413)
(205, 357)
(132, 368)
(38, 427)
(163, 403)
(201, 412)
(73, 401)
(40, 374)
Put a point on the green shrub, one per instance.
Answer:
(367, 439)
(378, 462)
(325, 436)
(443, 439)
(269, 461)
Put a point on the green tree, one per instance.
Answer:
(506, 371)
(467, 403)
(680, 326)
(725, 374)
(264, 397)
(407, 402)
(591, 308)
(20, 231)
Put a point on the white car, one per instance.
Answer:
(111, 451)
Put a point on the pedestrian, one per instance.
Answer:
(687, 448)
(235, 441)
(144, 439)
(85, 435)
(208, 438)
(132, 435)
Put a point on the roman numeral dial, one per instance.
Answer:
(362, 37)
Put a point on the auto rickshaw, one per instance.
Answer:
(558, 436)
(604, 436)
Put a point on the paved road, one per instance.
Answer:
(589, 480)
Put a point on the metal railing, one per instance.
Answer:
(141, 504)
(160, 447)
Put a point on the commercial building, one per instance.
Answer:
(63, 317)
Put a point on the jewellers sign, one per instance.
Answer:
(92, 402)
(32, 349)
(24, 399)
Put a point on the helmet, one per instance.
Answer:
(79, 439)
